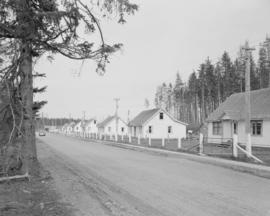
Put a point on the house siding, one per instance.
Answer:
(262, 140)
(91, 127)
(112, 125)
(160, 128)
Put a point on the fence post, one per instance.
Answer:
(179, 146)
(235, 142)
(201, 144)
(163, 142)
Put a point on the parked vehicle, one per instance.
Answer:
(42, 133)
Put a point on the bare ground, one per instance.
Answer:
(36, 197)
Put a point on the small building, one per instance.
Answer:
(91, 126)
(109, 125)
(229, 119)
(64, 128)
(79, 127)
(70, 128)
(156, 123)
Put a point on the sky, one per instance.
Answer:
(163, 38)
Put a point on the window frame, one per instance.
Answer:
(256, 123)
(170, 130)
(161, 116)
(150, 129)
(235, 127)
(217, 128)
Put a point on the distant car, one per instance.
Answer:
(42, 133)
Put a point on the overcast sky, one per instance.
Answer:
(162, 38)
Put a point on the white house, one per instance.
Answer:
(229, 119)
(156, 123)
(78, 128)
(70, 128)
(109, 125)
(91, 126)
(64, 128)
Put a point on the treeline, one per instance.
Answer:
(211, 84)
(41, 122)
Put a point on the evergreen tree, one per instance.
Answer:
(178, 95)
(227, 76)
(263, 67)
(32, 28)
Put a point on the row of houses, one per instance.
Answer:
(154, 123)
(228, 119)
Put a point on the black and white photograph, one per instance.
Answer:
(134, 108)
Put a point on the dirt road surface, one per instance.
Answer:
(98, 179)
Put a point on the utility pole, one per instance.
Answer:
(83, 122)
(128, 116)
(116, 114)
(247, 56)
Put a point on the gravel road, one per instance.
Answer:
(98, 179)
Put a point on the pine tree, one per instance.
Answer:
(193, 88)
(263, 67)
(32, 28)
(178, 95)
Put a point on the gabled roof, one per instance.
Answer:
(72, 124)
(107, 121)
(143, 117)
(89, 121)
(234, 107)
(146, 115)
(65, 125)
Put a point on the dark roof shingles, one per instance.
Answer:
(234, 106)
(142, 117)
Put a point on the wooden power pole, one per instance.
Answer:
(116, 114)
(247, 56)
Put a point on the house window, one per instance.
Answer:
(217, 128)
(161, 115)
(235, 128)
(109, 129)
(150, 129)
(170, 129)
(256, 128)
(122, 129)
(95, 121)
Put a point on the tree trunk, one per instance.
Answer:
(29, 154)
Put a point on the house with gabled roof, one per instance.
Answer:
(229, 119)
(78, 128)
(64, 128)
(108, 126)
(91, 126)
(70, 127)
(156, 123)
